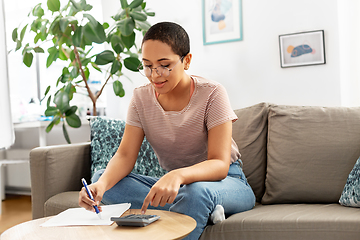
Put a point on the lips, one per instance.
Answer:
(159, 84)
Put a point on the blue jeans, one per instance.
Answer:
(197, 199)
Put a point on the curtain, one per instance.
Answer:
(7, 136)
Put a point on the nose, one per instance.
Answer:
(156, 72)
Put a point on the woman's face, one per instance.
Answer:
(156, 54)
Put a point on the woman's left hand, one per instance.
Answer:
(163, 191)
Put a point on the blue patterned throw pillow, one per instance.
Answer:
(351, 195)
(106, 135)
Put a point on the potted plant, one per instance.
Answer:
(72, 32)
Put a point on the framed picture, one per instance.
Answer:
(302, 49)
(222, 21)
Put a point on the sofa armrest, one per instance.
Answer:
(56, 169)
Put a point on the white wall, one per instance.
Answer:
(250, 69)
(349, 36)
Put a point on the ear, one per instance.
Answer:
(187, 61)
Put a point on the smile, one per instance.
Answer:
(159, 84)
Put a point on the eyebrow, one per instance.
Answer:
(159, 60)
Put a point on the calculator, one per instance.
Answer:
(135, 220)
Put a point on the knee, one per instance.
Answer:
(197, 190)
(97, 175)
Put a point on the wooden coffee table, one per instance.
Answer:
(170, 226)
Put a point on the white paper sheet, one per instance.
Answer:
(82, 217)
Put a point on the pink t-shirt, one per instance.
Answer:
(179, 138)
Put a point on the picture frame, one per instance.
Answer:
(222, 21)
(302, 49)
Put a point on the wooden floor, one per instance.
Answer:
(15, 209)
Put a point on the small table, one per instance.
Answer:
(170, 226)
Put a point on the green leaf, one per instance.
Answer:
(118, 88)
(36, 24)
(28, 59)
(66, 135)
(91, 19)
(50, 126)
(116, 44)
(43, 30)
(85, 61)
(53, 55)
(150, 14)
(129, 41)
(14, 34)
(84, 6)
(62, 54)
(71, 111)
(95, 66)
(55, 121)
(51, 111)
(76, 38)
(115, 66)
(135, 3)
(53, 5)
(47, 90)
(138, 16)
(124, 4)
(74, 72)
(76, 5)
(38, 11)
(126, 26)
(23, 33)
(62, 101)
(143, 25)
(37, 37)
(106, 25)
(18, 45)
(104, 57)
(39, 50)
(48, 101)
(55, 27)
(132, 63)
(120, 15)
(73, 120)
(94, 33)
(63, 24)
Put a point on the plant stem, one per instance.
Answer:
(91, 94)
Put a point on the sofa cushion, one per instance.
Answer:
(351, 194)
(289, 221)
(311, 151)
(250, 133)
(106, 135)
(61, 202)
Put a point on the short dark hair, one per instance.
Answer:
(172, 34)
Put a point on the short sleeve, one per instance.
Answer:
(219, 110)
(133, 117)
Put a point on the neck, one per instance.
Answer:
(182, 89)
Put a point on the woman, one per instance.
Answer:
(188, 122)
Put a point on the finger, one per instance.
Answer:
(85, 201)
(146, 203)
(163, 201)
(171, 199)
(156, 200)
(85, 197)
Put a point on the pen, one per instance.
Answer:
(90, 196)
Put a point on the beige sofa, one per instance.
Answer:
(297, 160)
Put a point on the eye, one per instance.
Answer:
(165, 66)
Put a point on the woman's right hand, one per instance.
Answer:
(97, 190)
